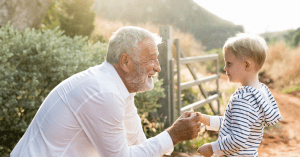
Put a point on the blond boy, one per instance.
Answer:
(250, 108)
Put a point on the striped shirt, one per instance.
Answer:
(241, 128)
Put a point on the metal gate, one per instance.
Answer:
(168, 72)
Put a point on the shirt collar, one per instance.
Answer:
(117, 79)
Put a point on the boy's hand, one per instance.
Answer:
(206, 150)
(205, 119)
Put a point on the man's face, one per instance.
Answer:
(145, 65)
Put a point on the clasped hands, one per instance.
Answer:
(187, 127)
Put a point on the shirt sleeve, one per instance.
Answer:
(102, 119)
(242, 117)
(215, 123)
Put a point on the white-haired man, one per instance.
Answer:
(92, 113)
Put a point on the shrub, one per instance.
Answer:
(282, 64)
(32, 63)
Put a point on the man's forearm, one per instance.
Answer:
(172, 134)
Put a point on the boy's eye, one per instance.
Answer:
(228, 63)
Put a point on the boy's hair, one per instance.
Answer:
(249, 45)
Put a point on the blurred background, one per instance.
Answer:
(44, 42)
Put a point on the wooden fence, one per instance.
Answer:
(168, 110)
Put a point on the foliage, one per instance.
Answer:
(296, 39)
(192, 145)
(147, 104)
(51, 18)
(290, 37)
(32, 63)
(148, 101)
(290, 90)
(211, 65)
(295, 90)
(75, 17)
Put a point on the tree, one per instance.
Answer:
(23, 13)
(296, 39)
(76, 17)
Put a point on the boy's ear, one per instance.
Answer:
(248, 65)
(124, 62)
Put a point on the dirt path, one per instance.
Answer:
(283, 140)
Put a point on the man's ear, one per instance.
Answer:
(248, 65)
(124, 62)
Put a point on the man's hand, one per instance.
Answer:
(186, 127)
(206, 150)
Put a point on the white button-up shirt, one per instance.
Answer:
(90, 114)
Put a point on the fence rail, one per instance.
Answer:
(168, 111)
(183, 60)
(188, 60)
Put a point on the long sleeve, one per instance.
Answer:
(215, 123)
(239, 117)
(108, 111)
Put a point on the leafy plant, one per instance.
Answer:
(75, 17)
(147, 104)
(32, 63)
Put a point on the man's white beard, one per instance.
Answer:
(139, 80)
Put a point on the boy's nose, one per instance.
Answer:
(225, 68)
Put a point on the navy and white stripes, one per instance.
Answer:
(242, 125)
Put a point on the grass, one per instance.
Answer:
(283, 66)
(106, 28)
(291, 90)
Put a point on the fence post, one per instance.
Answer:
(165, 57)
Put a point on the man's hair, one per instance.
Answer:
(249, 45)
(126, 40)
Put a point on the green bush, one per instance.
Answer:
(147, 102)
(33, 62)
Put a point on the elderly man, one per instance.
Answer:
(92, 113)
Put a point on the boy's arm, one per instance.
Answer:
(242, 117)
(212, 122)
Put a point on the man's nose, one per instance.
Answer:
(157, 67)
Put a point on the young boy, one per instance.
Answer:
(250, 108)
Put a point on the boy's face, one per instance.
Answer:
(234, 67)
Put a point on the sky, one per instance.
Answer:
(257, 16)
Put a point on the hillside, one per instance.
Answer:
(186, 15)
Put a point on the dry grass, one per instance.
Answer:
(189, 44)
(283, 64)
